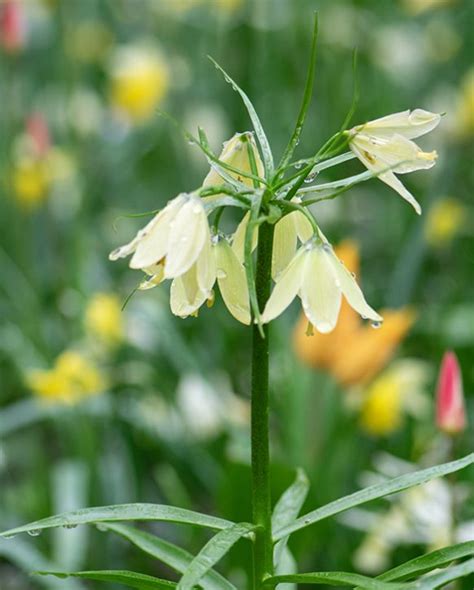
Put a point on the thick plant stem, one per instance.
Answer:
(261, 501)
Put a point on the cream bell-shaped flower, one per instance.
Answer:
(320, 279)
(235, 154)
(386, 144)
(173, 239)
(217, 262)
(293, 227)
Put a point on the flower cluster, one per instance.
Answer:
(180, 244)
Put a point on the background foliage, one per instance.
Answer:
(143, 406)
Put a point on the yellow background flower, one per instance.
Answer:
(72, 378)
(103, 318)
(139, 81)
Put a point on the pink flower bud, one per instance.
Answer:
(37, 129)
(450, 410)
(12, 29)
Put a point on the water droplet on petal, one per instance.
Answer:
(327, 247)
(311, 176)
(221, 273)
(376, 325)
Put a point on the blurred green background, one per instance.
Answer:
(100, 406)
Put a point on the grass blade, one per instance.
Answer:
(121, 512)
(392, 486)
(267, 155)
(168, 553)
(211, 553)
(130, 579)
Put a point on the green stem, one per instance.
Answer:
(261, 500)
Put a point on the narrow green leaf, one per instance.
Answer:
(449, 575)
(222, 167)
(130, 579)
(168, 553)
(287, 509)
(257, 125)
(121, 512)
(212, 552)
(335, 579)
(428, 562)
(290, 502)
(308, 91)
(380, 490)
(26, 556)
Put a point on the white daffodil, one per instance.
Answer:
(235, 154)
(319, 278)
(288, 230)
(174, 238)
(386, 148)
(217, 262)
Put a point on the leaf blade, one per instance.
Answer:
(287, 509)
(123, 512)
(430, 561)
(267, 155)
(127, 578)
(212, 552)
(174, 556)
(335, 579)
(449, 575)
(374, 492)
(307, 94)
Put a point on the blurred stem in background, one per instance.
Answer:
(261, 501)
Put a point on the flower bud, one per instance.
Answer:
(12, 29)
(235, 153)
(450, 409)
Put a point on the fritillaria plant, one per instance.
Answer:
(278, 251)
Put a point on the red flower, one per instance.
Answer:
(12, 30)
(450, 410)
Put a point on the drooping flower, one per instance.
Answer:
(450, 409)
(139, 81)
(217, 262)
(73, 378)
(103, 318)
(320, 279)
(293, 227)
(386, 148)
(173, 239)
(370, 350)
